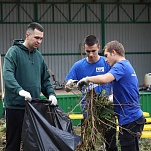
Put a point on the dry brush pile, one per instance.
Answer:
(100, 118)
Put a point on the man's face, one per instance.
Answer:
(34, 39)
(110, 57)
(92, 52)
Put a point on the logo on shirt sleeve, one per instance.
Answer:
(99, 69)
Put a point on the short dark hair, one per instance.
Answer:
(90, 40)
(35, 25)
(115, 45)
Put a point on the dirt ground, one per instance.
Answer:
(145, 144)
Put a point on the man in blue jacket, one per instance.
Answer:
(125, 95)
(25, 76)
(93, 64)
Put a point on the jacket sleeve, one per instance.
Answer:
(46, 86)
(9, 67)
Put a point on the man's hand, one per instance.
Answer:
(70, 85)
(82, 82)
(25, 94)
(53, 100)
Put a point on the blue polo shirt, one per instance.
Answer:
(83, 68)
(126, 92)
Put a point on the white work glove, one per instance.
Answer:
(110, 98)
(82, 82)
(53, 100)
(70, 85)
(25, 94)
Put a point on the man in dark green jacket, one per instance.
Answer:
(25, 76)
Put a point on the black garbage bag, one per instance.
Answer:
(47, 128)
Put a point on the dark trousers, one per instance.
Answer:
(14, 121)
(110, 137)
(129, 135)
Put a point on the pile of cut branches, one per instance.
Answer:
(100, 118)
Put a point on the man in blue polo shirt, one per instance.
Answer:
(93, 64)
(125, 95)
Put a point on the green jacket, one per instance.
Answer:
(24, 70)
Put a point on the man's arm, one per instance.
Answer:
(9, 71)
(99, 79)
(46, 86)
(71, 78)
